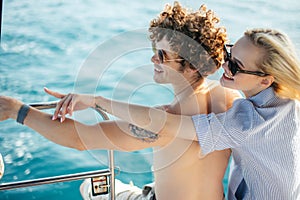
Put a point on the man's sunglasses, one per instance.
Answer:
(161, 56)
(234, 67)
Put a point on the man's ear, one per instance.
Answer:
(267, 81)
(190, 71)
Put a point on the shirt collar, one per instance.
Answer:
(263, 97)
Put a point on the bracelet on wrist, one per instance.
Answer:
(22, 113)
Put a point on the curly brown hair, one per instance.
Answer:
(193, 36)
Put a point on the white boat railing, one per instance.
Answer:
(110, 172)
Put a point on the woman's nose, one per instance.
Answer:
(225, 65)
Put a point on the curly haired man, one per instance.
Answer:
(188, 46)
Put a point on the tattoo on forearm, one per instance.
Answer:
(99, 107)
(142, 134)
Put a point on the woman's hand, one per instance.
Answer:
(9, 108)
(69, 103)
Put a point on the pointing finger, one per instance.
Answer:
(53, 93)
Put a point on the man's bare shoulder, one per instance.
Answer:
(221, 98)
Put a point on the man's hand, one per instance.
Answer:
(9, 108)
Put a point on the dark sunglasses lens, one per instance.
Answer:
(233, 67)
(160, 56)
(226, 54)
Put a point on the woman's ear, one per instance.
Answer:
(267, 81)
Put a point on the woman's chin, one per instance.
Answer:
(225, 82)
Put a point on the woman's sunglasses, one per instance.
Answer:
(234, 67)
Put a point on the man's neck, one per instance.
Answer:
(184, 91)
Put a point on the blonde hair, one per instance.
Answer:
(279, 60)
(194, 36)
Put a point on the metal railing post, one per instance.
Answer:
(112, 176)
(111, 163)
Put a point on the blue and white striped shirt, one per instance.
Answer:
(264, 134)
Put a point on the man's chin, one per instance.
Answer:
(158, 81)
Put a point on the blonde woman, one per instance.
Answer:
(263, 130)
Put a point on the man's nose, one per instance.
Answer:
(155, 59)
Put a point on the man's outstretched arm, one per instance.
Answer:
(117, 135)
(153, 120)
(148, 118)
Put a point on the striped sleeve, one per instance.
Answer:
(226, 130)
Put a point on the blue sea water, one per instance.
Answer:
(95, 47)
